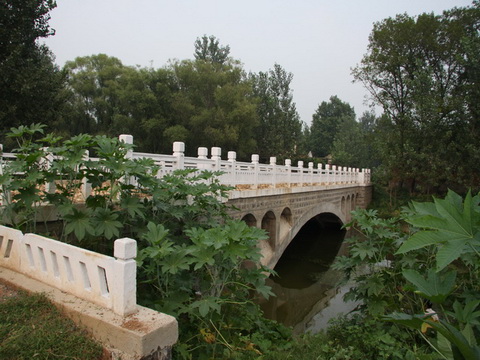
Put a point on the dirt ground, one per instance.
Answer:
(6, 292)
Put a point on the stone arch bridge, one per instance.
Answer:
(278, 198)
(283, 212)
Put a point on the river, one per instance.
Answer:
(307, 294)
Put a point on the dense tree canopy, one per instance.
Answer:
(213, 106)
(30, 84)
(209, 49)
(280, 126)
(421, 71)
(353, 144)
(327, 121)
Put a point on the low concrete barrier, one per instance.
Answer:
(97, 291)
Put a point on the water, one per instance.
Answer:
(307, 295)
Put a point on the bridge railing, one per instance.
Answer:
(245, 175)
(253, 174)
(104, 280)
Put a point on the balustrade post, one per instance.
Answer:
(45, 163)
(288, 165)
(232, 159)
(310, 172)
(216, 157)
(300, 167)
(328, 178)
(361, 176)
(127, 139)
(273, 164)
(320, 178)
(125, 277)
(86, 187)
(179, 154)
(255, 162)
(334, 174)
(202, 153)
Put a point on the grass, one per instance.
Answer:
(31, 327)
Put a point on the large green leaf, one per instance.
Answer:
(450, 224)
(206, 305)
(436, 287)
(106, 224)
(411, 321)
(79, 221)
(455, 337)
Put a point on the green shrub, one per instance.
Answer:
(191, 253)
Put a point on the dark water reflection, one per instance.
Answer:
(306, 287)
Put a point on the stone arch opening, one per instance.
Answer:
(269, 223)
(250, 220)
(343, 205)
(286, 216)
(311, 251)
(286, 222)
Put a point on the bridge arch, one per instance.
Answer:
(250, 220)
(269, 223)
(271, 257)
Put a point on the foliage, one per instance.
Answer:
(326, 123)
(420, 71)
(424, 277)
(280, 129)
(109, 98)
(451, 224)
(30, 84)
(354, 143)
(194, 261)
(215, 106)
(356, 338)
(209, 49)
(32, 327)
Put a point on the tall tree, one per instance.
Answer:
(110, 98)
(353, 144)
(214, 106)
(417, 70)
(29, 81)
(280, 128)
(93, 80)
(327, 121)
(209, 49)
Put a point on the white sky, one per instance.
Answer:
(318, 41)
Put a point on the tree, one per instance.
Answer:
(93, 80)
(110, 98)
(327, 121)
(30, 83)
(209, 49)
(418, 70)
(280, 128)
(354, 143)
(213, 106)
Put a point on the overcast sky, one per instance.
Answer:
(318, 41)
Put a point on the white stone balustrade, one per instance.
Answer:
(245, 175)
(106, 281)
